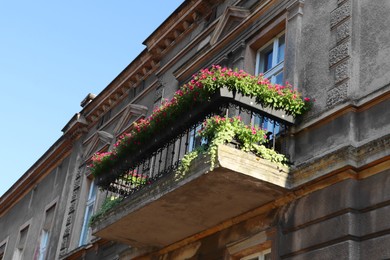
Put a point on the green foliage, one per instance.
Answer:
(199, 90)
(269, 154)
(222, 130)
(135, 179)
(186, 161)
(108, 204)
(218, 130)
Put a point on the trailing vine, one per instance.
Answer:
(108, 204)
(215, 131)
(199, 90)
(222, 130)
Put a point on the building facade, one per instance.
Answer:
(332, 202)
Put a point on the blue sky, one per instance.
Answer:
(52, 54)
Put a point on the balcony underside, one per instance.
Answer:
(176, 207)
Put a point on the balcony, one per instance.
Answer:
(158, 203)
(173, 208)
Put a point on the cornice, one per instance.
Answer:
(356, 106)
(347, 158)
(185, 71)
(73, 130)
(53, 156)
(75, 127)
(163, 39)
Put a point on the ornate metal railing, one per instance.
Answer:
(163, 154)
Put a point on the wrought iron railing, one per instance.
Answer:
(163, 154)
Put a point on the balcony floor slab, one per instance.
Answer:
(176, 207)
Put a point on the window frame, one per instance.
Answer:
(276, 67)
(43, 244)
(5, 244)
(258, 255)
(89, 210)
(44, 238)
(19, 250)
(195, 140)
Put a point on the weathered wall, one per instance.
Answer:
(372, 36)
(31, 208)
(337, 52)
(339, 222)
(347, 220)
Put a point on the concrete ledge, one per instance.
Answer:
(176, 207)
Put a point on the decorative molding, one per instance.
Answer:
(340, 55)
(231, 14)
(342, 72)
(337, 94)
(105, 137)
(346, 157)
(166, 36)
(295, 9)
(130, 111)
(48, 161)
(340, 13)
(343, 31)
(71, 211)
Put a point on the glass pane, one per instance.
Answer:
(17, 254)
(281, 47)
(84, 231)
(43, 245)
(268, 60)
(92, 191)
(267, 256)
(279, 78)
(191, 141)
(195, 139)
(257, 121)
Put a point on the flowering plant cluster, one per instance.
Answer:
(106, 206)
(232, 128)
(199, 90)
(275, 96)
(101, 162)
(221, 130)
(135, 179)
(132, 179)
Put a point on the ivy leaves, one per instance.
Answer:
(222, 130)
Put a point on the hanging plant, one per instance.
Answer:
(199, 90)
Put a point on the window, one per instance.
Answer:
(43, 242)
(44, 238)
(195, 140)
(264, 255)
(2, 250)
(270, 59)
(270, 62)
(270, 126)
(18, 254)
(85, 231)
